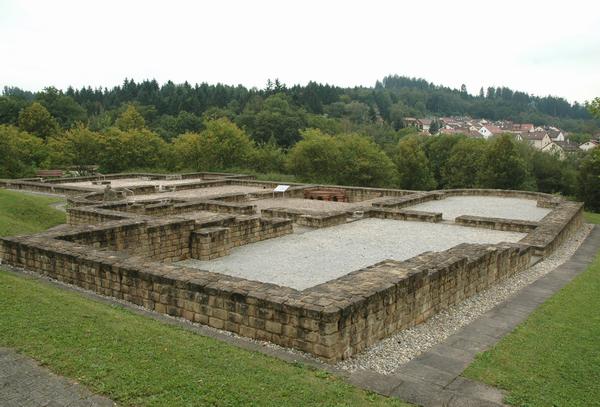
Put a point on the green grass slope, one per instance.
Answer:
(553, 358)
(22, 213)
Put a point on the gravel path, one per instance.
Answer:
(492, 207)
(305, 260)
(23, 382)
(387, 355)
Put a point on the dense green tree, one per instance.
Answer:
(315, 157)
(548, 173)
(36, 119)
(434, 127)
(325, 124)
(412, 165)
(438, 150)
(10, 108)
(62, 107)
(358, 112)
(589, 180)
(502, 166)
(268, 157)
(277, 119)
(78, 146)
(220, 146)
(462, 167)
(133, 149)
(20, 152)
(594, 107)
(185, 122)
(398, 111)
(361, 162)
(130, 119)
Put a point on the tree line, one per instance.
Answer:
(320, 154)
(279, 112)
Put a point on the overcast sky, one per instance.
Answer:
(541, 47)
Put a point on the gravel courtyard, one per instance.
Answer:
(303, 260)
(491, 207)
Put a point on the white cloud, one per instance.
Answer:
(520, 44)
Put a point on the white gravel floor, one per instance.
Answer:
(302, 260)
(387, 355)
(492, 207)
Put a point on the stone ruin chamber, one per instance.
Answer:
(154, 245)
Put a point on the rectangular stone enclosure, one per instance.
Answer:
(141, 250)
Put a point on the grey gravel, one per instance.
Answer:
(387, 355)
(493, 207)
(304, 260)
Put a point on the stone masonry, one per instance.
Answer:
(126, 251)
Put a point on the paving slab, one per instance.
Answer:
(24, 383)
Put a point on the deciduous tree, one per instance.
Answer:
(36, 120)
(502, 166)
(589, 180)
(413, 165)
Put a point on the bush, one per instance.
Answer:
(589, 181)
(20, 152)
(413, 165)
(221, 146)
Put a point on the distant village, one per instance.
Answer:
(544, 138)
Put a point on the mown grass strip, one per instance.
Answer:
(553, 358)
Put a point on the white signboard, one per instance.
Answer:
(281, 188)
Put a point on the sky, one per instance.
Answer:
(540, 47)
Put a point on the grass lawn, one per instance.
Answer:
(553, 358)
(138, 361)
(591, 217)
(25, 213)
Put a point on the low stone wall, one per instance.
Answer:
(307, 218)
(43, 187)
(333, 320)
(555, 228)
(403, 214)
(408, 200)
(214, 242)
(509, 225)
(509, 193)
(165, 240)
(91, 216)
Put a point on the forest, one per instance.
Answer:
(314, 133)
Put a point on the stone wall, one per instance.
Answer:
(509, 225)
(403, 214)
(555, 228)
(306, 217)
(333, 320)
(408, 200)
(213, 242)
(127, 251)
(165, 240)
